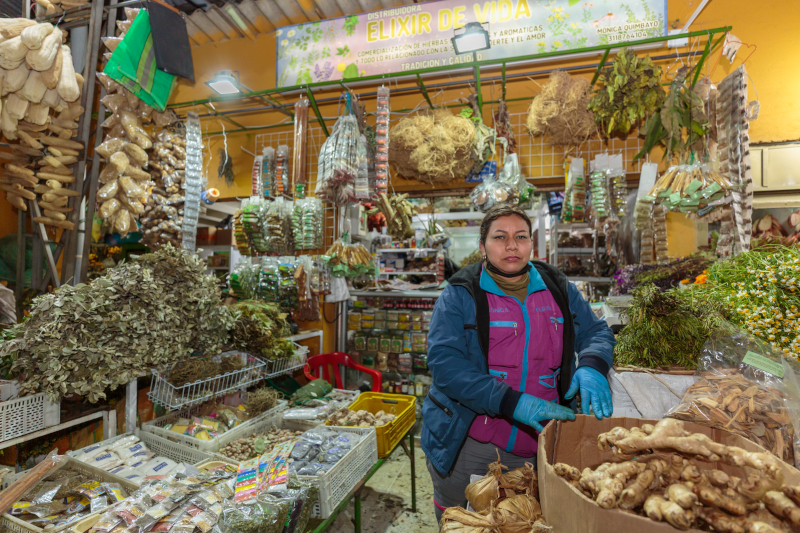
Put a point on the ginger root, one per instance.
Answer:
(722, 522)
(781, 506)
(682, 495)
(658, 509)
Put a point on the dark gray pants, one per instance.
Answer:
(474, 458)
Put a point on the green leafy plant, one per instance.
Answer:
(681, 122)
(631, 89)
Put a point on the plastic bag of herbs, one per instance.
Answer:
(665, 330)
(742, 388)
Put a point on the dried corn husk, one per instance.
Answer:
(459, 520)
(480, 494)
(524, 480)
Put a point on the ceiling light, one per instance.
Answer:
(473, 37)
(225, 83)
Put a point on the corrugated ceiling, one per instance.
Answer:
(222, 21)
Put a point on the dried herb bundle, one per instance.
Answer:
(560, 111)
(92, 337)
(225, 169)
(258, 326)
(261, 400)
(665, 329)
(631, 91)
(681, 122)
(664, 275)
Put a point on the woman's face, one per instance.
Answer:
(508, 244)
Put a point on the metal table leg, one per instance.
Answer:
(413, 471)
(357, 512)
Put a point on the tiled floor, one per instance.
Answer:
(386, 499)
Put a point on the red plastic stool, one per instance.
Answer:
(335, 359)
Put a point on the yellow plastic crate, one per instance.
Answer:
(400, 405)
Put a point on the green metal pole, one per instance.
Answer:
(282, 108)
(699, 66)
(316, 111)
(424, 91)
(504, 80)
(600, 66)
(217, 113)
(488, 62)
(413, 471)
(478, 83)
(357, 511)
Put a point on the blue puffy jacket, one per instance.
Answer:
(462, 386)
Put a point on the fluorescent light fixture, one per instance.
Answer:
(225, 83)
(473, 37)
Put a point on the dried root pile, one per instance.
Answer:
(433, 148)
(560, 111)
(667, 485)
(725, 399)
(362, 419)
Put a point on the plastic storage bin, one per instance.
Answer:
(400, 405)
(156, 427)
(28, 414)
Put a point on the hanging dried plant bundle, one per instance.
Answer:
(433, 147)
(560, 111)
(225, 169)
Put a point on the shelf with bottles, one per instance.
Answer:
(403, 300)
(396, 322)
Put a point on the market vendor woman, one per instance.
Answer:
(501, 350)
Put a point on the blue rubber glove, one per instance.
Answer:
(595, 392)
(531, 410)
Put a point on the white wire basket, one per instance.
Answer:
(288, 366)
(172, 397)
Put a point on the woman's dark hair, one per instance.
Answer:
(504, 211)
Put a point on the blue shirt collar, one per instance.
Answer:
(535, 282)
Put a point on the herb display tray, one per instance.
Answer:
(305, 425)
(27, 414)
(157, 427)
(161, 446)
(172, 397)
(335, 484)
(15, 525)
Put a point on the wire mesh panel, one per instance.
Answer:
(315, 139)
(540, 159)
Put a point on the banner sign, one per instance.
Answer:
(417, 36)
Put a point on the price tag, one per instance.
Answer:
(762, 363)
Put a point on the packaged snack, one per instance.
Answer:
(114, 492)
(98, 503)
(89, 490)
